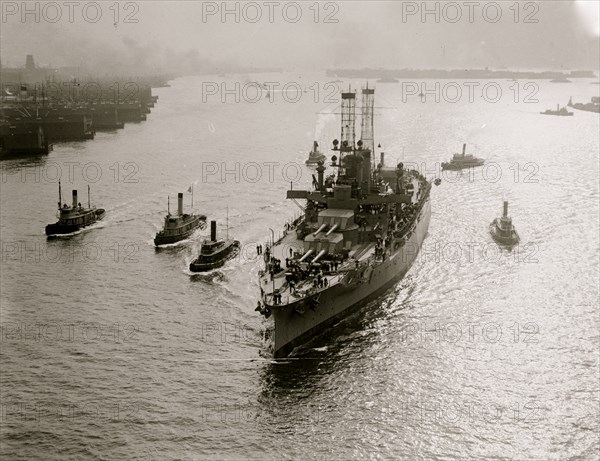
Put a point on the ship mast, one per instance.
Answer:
(348, 122)
(59, 196)
(89, 206)
(367, 122)
(227, 224)
(168, 206)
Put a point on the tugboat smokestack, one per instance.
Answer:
(505, 212)
(180, 203)
(382, 159)
(213, 231)
(74, 198)
(464, 149)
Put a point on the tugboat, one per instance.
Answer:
(358, 236)
(180, 226)
(74, 217)
(214, 253)
(461, 161)
(563, 112)
(502, 229)
(315, 156)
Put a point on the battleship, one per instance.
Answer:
(502, 229)
(360, 232)
(180, 226)
(562, 112)
(462, 161)
(75, 217)
(214, 252)
(314, 157)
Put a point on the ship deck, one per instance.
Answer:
(278, 284)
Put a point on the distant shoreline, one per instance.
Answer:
(456, 73)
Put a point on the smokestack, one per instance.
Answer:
(213, 231)
(180, 203)
(464, 148)
(382, 159)
(74, 198)
(366, 172)
(359, 171)
(320, 171)
(505, 213)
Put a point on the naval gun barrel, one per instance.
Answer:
(306, 255)
(334, 227)
(323, 226)
(321, 253)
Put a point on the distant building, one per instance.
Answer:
(582, 74)
(30, 74)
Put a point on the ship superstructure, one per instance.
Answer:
(502, 229)
(462, 161)
(75, 217)
(361, 230)
(180, 226)
(315, 156)
(560, 111)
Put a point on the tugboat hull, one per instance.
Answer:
(202, 264)
(62, 229)
(315, 159)
(297, 323)
(456, 167)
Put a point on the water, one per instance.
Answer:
(111, 349)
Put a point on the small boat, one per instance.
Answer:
(180, 226)
(75, 217)
(502, 229)
(214, 252)
(563, 112)
(315, 156)
(461, 161)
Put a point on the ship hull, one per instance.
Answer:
(293, 329)
(568, 114)
(457, 167)
(225, 255)
(315, 159)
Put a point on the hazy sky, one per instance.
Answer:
(390, 34)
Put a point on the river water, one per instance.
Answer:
(111, 349)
